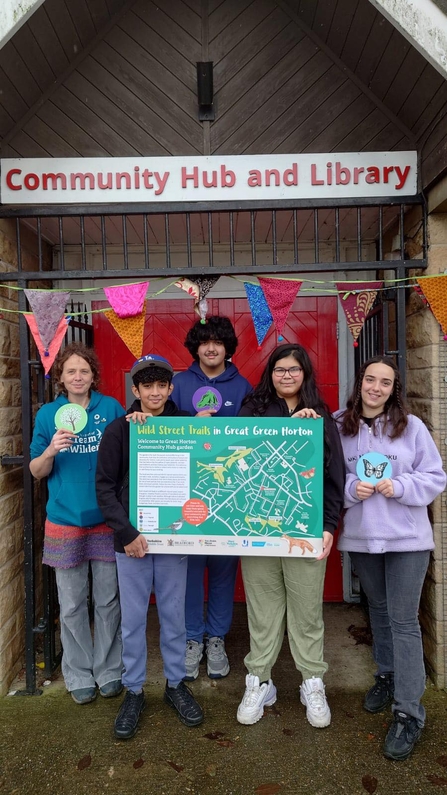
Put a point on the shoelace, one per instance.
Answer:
(215, 650)
(317, 699)
(381, 684)
(251, 695)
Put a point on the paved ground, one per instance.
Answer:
(50, 745)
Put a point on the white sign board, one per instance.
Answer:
(246, 178)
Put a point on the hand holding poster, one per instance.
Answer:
(228, 486)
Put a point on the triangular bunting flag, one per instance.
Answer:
(205, 284)
(48, 308)
(47, 352)
(189, 287)
(127, 300)
(280, 295)
(357, 299)
(130, 329)
(262, 318)
(435, 291)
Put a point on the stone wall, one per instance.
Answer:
(12, 634)
(426, 393)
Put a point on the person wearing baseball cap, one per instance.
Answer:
(139, 571)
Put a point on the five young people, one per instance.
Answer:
(390, 556)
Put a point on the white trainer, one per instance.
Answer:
(313, 696)
(193, 658)
(256, 697)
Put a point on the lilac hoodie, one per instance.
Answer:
(400, 523)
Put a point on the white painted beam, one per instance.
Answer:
(423, 24)
(14, 14)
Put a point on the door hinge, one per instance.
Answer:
(337, 330)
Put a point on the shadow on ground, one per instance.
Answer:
(50, 745)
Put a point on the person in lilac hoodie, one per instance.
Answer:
(394, 471)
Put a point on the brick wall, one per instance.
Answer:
(427, 393)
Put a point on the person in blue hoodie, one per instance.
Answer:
(212, 383)
(65, 451)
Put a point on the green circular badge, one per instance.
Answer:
(71, 417)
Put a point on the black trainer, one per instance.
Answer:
(380, 694)
(402, 736)
(182, 700)
(129, 714)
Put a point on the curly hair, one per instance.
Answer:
(76, 349)
(265, 393)
(395, 412)
(150, 375)
(219, 329)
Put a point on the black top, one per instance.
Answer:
(112, 474)
(334, 469)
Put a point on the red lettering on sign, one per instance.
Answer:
(31, 181)
(194, 176)
(10, 174)
(313, 176)
(54, 179)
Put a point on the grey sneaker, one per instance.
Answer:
(217, 665)
(193, 657)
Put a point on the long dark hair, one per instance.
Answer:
(265, 393)
(395, 412)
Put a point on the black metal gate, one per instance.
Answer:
(85, 243)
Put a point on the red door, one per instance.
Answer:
(311, 321)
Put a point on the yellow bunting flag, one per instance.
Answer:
(130, 329)
(435, 291)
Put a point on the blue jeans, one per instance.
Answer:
(137, 577)
(393, 584)
(222, 570)
(86, 660)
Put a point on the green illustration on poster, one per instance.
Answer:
(228, 485)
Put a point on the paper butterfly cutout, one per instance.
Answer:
(374, 471)
(309, 473)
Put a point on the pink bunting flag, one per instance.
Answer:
(357, 299)
(48, 308)
(280, 295)
(47, 352)
(127, 300)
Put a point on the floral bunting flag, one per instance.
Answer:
(357, 299)
(434, 289)
(130, 329)
(189, 287)
(47, 352)
(260, 312)
(280, 295)
(127, 299)
(48, 308)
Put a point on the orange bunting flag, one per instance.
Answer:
(434, 289)
(47, 353)
(357, 300)
(130, 329)
(280, 295)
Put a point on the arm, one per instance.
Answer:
(42, 465)
(427, 480)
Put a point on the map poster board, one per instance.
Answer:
(228, 486)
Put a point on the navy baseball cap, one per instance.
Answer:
(151, 360)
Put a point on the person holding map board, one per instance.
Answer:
(64, 449)
(139, 571)
(212, 383)
(394, 471)
(281, 589)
